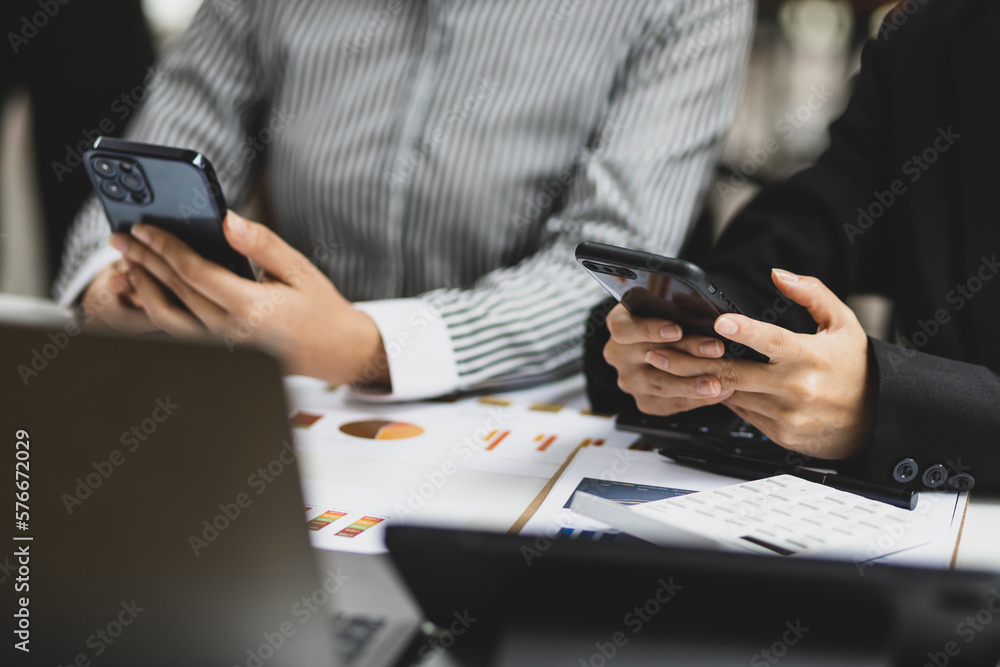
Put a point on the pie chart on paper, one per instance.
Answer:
(381, 429)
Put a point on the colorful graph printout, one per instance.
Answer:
(494, 441)
(325, 519)
(360, 526)
(381, 429)
(545, 441)
(304, 419)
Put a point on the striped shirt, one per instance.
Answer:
(441, 159)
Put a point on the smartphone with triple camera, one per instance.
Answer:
(174, 189)
(664, 287)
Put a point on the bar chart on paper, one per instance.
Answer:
(534, 446)
(350, 518)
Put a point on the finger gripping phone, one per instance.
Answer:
(672, 289)
(174, 189)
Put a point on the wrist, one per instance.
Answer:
(372, 365)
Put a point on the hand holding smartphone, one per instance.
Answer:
(172, 188)
(651, 285)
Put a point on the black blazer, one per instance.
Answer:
(903, 203)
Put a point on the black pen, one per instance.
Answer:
(744, 468)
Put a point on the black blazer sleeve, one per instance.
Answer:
(935, 411)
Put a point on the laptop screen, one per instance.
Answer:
(160, 522)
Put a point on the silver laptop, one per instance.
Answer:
(162, 523)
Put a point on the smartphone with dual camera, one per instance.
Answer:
(174, 189)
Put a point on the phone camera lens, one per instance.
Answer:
(104, 168)
(132, 181)
(113, 190)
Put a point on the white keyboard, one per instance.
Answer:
(783, 515)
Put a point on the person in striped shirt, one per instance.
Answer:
(430, 166)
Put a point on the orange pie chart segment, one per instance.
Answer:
(381, 429)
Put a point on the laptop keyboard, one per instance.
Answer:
(352, 634)
(791, 516)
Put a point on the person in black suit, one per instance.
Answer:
(902, 203)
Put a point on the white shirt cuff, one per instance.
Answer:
(418, 347)
(86, 274)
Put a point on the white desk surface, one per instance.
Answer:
(979, 545)
(502, 497)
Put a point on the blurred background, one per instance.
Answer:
(803, 54)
